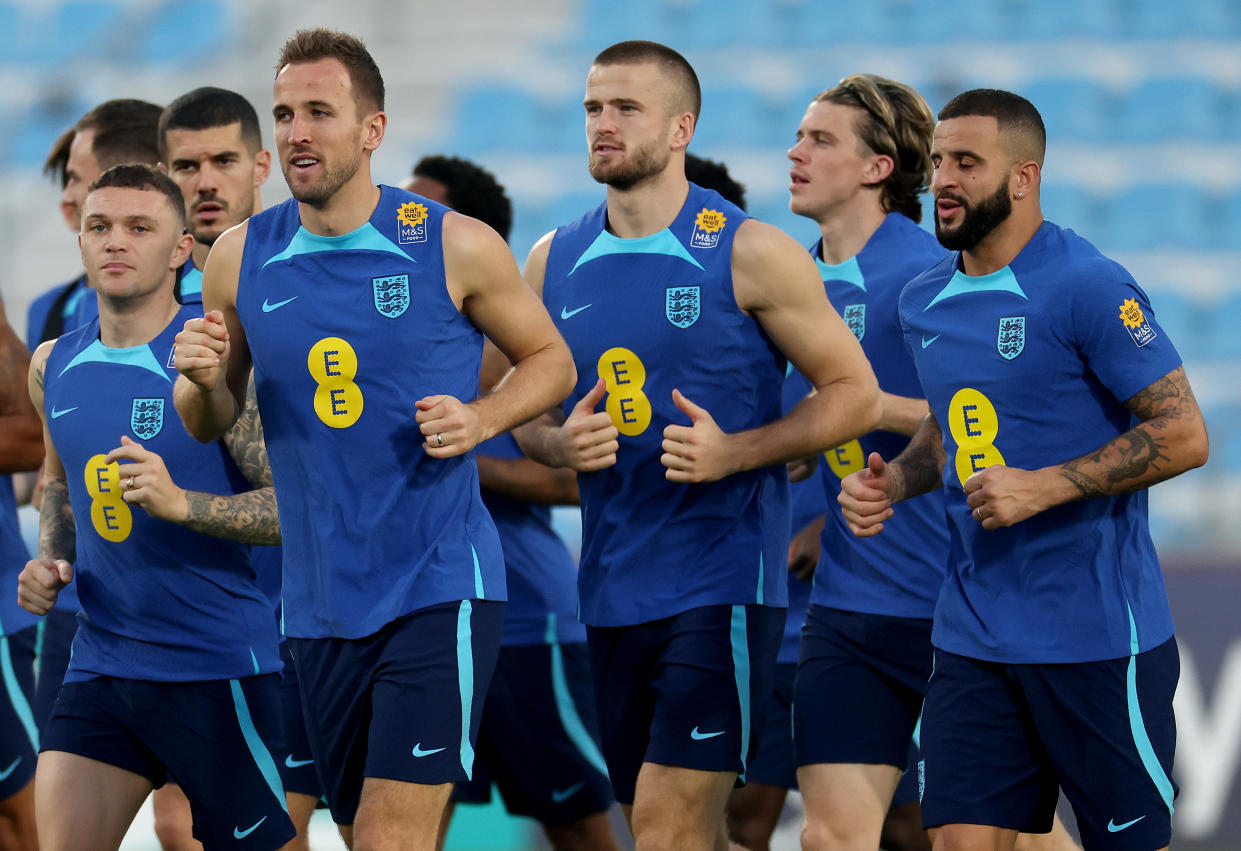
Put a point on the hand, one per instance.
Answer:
(450, 426)
(40, 582)
(803, 468)
(805, 549)
(866, 497)
(588, 439)
(201, 353)
(700, 452)
(1001, 496)
(145, 481)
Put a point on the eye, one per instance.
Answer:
(97, 228)
(318, 113)
(141, 229)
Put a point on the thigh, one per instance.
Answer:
(846, 803)
(84, 803)
(1110, 731)
(882, 665)
(215, 737)
(774, 762)
(19, 733)
(542, 735)
(94, 719)
(58, 629)
(398, 814)
(622, 664)
(680, 808)
(297, 766)
(983, 762)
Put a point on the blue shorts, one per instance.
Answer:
(297, 767)
(401, 704)
(999, 741)
(687, 691)
(907, 787)
(56, 633)
(861, 679)
(775, 761)
(19, 731)
(539, 737)
(213, 736)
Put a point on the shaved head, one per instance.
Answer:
(684, 94)
(1019, 123)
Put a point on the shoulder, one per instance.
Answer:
(38, 372)
(1069, 263)
(758, 242)
(470, 243)
(536, 262)
(931, 279)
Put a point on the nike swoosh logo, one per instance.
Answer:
(238, 833)
(290, 762)
(565, 313)
(559, 796)
(4, 775)
(419, 752)
(926, 342)
(58, 414)
(1113, 827)
(269, 307)
(698, 737)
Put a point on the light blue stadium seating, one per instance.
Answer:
(182, 32)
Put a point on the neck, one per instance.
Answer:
(347, 210)
(648, 207)
(125, 322)
(1004, 243)
(845, 232)
(199, 254)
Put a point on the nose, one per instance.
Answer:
(797, 152)
(299, 130)
(942, 178)
(208, 179)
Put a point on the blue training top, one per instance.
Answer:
(13, 557)
(347, 333)
(1030, 366)
(649, 315)
(897, 573)
(542, 578)
(159, 602)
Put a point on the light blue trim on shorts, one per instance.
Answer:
(1138, 727)
(566, 708)
(465, 682)
(761, 578)
(17, 697)
(258, 749)
(741, 668)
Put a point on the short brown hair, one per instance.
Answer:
(638, 52)
(144, 177)
(1015, 117)
(897, 123)
(364, 76)
(126, 130)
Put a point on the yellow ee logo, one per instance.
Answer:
(109, 513)
(623, 374)
(845, 459)
(974, 425)
(333, 364)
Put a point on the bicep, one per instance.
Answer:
(221, 277)
(53, 467)
(1170, 397)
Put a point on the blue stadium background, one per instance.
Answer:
(1142, 99)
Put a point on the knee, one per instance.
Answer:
(176, 834)
(748, 832)
(820, 835)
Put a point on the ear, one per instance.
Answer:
(373, 131)
(262, 167)
(1024, 180)
(877, 169)
(682, 131)
(162, 167)
(181, 252)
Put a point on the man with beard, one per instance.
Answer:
(681, 311)
(1056, 400)
(360, 308)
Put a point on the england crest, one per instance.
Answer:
(682, 306)
(1011, 340)
(855, 318)
(146, 418)
(391, 295)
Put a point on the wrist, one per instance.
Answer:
(180, 511)
(1054, 488)
(896, 475)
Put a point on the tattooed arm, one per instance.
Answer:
(245, 442)
(1170, 439)
(42, 578)
(867, 496)
(21, 432)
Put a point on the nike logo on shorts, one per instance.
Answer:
(1113, 827)
(58, 414)
(268, 307)
(565, 313)
(238, 833)
(290, 762)
(559, 796)
(698, 737)
(419, 752)
(926, 342)
(4, 775)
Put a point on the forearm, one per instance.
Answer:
(901, 414)
(247, 518)
(540, 440)
(521, 478)
(535, 384)
(836, 414)
(207, 414)
(57, 532)
(919, 468)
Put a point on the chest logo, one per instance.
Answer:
(1135, 322)
(708, 225)
(1011, 339)
(391, 295)
(682, 306)
(411, 223)
(146, 417)
(855, 318)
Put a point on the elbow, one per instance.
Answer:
(567, 375)
(870, 408)
(1197, 446)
